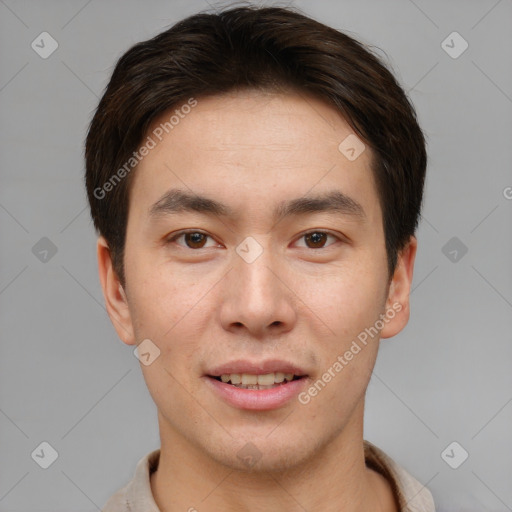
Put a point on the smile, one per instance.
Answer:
(262, 381)
(257, 392)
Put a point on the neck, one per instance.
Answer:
(335, 478)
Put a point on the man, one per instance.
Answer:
(256, 180)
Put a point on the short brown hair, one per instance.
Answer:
(269, 48)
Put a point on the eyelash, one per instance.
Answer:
(181, 233)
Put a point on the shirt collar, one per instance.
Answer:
(410, 494)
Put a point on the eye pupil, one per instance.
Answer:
(194, 238)
(197, 240)
(316, 238)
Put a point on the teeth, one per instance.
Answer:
(250, 381)
(279, 377)
(266, 380)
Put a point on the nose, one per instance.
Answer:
(256, 298)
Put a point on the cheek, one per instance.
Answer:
(333, 395)
(168, 311)
(346, 363)
(160, 297)
(347, 300)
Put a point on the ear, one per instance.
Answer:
(397, 303)
(115, 298)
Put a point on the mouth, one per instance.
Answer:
(261, 386)
(257, 381)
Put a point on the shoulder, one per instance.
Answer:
(117, 502)
(136, 495)
(411, 494)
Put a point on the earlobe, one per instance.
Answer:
(397, 303)
(116, 301)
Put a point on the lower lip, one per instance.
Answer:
(257, 399)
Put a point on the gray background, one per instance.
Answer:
(66, 379)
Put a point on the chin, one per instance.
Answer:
(268, 452)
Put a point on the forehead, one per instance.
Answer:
(247, 120)
(251, 147)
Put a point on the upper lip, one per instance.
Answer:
(256, 368)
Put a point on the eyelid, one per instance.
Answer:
(173, 237)
(176, 235)
(338, 236)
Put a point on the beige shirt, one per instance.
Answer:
(409, 493)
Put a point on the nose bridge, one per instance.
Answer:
(252, 271)
(254, 297)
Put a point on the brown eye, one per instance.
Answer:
(195, 240)
(192, 239)
(316, 239)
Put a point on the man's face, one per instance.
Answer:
(251, 291)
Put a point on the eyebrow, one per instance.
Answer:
(178, 200)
